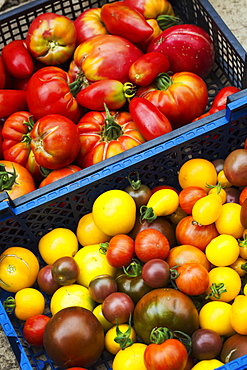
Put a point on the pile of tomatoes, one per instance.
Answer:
(76, 92)
(157, 277)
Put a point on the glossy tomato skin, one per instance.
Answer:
(194, 49)
(65, 270)
(220, 99)
(150, 8)
(64, 338)
(24, 182)
(45, 280)
(123, 20)
(56, 175)
(188, 197)
(17, 59)
(114, 54)
(192, 278)
(165, 307)
(169, 355)
(148, 118)
(12, 101)
(100, 139)
(156, 32)
(185, 89)
(55, 141)
(120, 250)
(144, 70)
(235, 167)
(234, 347)
(135, 287)
(48, 92)
(3, 73)
(89, 24)
(187, 254)
(117, 307)
(33, 329)
(206, 344)
(101, 286)
(151, 243)
(187, 232)
(51, 38)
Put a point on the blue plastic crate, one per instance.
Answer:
(61, 204)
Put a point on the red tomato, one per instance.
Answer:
(48, 92)
(188, 232)
(148, 118)
(123, 20)
(2, 73)
(150, 8)
(17, 59)
(12, 101)
(243, 195)
(189, 196)
(181, 97)
(151, 243)
(186, 253)
(120, 250)
(33, 329)
(169, 355)
(51, 38)
(105, 134)
(16, 180)
(55, 141)
(56, 175)
(89, 24)
(145, 69)
(220, 99)
(114, 56)
(191, 278)
(1, 141)
(156, 32)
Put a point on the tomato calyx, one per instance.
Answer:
(78, 84)
(135, 184)
(29, 123)
(163, 81)
(9, 304)
(129, 90)
(243, 243)
(147, 214)
(7, 178)
(123, 338)
(134, 269)
(159, 335)
(244, 267)
(218, 187)
(216, 290)
(165, 21)
(111, 129)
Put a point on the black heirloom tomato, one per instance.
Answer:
(165, 307)
(133, 286)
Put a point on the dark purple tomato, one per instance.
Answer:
(74, 337)
(45, 280)
(243, 214)
(133, 286)
(156, 273)
(233, 348)
(235, 167)
(117, 308)
(101, 286)
(206, 344)
(218, 164)
(232, 195)
(65, 270)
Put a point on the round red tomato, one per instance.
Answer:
(151, 243)
(189, 196)
(103, 135)
(55, 141)
(191, 278)
(189, 232)
(187, 254)
(120, 250)
(33, 329)
(16, 180)
(56, 175)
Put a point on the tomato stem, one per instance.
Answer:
(135, 184)
(103, 247)
(129, 90)
(29, 123)
(80, 83)
(9, 304)
(217, 290)
(243, 243)
(218, 187)
(163, 81)
(159, 335)
(7, 178)
(147, 213)
(134, 267)
(123, 338)
(165, 21)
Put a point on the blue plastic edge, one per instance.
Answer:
(238, 364)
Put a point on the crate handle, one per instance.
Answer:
(236, 109)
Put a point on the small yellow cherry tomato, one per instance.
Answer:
(229, 220)
(206, 210)
(130, 358)
(216, 316)
(105, 323)
(225, 183)
(208, 365)
(26, 303)
(222, 250)
(88, 233)
(224, 284)
(114, 212)
(123, 331)
(239, 314)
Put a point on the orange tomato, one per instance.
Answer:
(19, 268)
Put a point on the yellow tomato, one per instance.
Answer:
(223, 180)
(239, 314)
(224, 278)
(97, 311)
(130, 358)
(69, 296)
(27, 302)
(114, 212)
(197, 172)
(240, 266)
(222, 250)
(19, 268)
(88, 233)
(229, 220)
(216, 316)
(59, 242)
(206, 210)
(220, 191)
(92, 263)
(208, 365)
(112, 346)
(163, 202)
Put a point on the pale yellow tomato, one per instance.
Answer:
(69, 296)
(220, 191)
(130, 358)
(88, 233)
(239, 314)
(92, 263)
(216, 316)
(222, 250)
(97, 311)
(223, 278)
(208, 365)
(110, 344)
(206, 210)
(229, 220)
(59, 242)
(114, 212)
